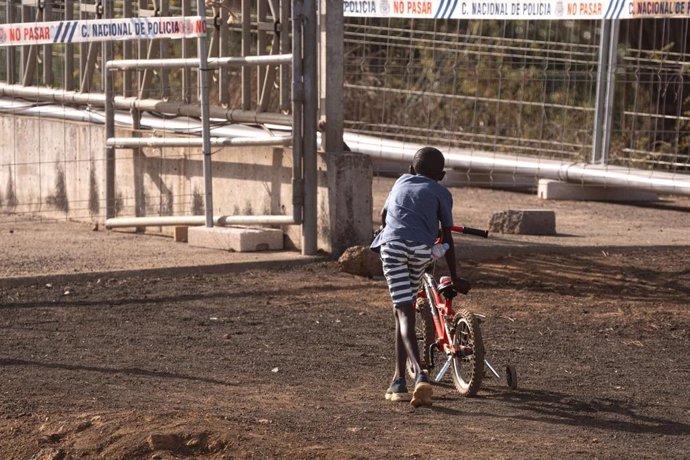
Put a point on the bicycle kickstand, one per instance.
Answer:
(444, 369)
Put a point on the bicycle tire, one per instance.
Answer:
(511, 377)
(468, 370)
(425, 333)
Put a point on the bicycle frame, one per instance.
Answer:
(441, 310)
(441, 307)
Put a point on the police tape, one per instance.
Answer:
(95, 30)
(517, 9)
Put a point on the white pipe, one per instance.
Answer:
(59, 96)
(376, 147)
(213, 63)
(581, 173)
(181, 125)
(135, 142)
(163, 221)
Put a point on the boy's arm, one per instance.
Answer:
(462, 285)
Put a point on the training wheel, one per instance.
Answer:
(511, 377)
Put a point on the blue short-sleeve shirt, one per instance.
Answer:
(414, 208)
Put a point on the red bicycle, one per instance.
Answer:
(454, 335)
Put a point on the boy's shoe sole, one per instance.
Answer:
(422, 394)
(396, 397)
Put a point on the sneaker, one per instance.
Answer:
(422, 391)
(398, 390)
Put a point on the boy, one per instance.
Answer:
(410, 219)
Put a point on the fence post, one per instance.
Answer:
(108, 89)
(606, 88)
(309, 231)
(332, 77)
(205, 122)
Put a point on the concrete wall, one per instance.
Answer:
(56, 169)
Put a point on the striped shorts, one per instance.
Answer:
(404, 263)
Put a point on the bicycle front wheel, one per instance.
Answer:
(468, 363)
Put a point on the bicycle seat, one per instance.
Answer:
(446, 288)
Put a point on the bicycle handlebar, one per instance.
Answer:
(470, 231)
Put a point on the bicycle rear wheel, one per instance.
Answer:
(468, 364)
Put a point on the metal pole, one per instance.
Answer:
(11, 57)
(599, 106)
(332, 74)
(29, 53)
(284, 49)
(246, 50)
(606, 82)
(161, 221)
(223, 51)
(469, 159)
(107, 51)
(69, 50)
(297, 106)
(38, 93)
(186, 73)
(127, 53)
(610, 91)
(47, 15)
(261, 43)
(163, 49)
(205, 121)
(137, 142)
(212, 63)
(309, 231)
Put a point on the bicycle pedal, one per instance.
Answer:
(464, 352)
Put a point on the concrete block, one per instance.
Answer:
(238, 239)
(180, 234)
(524, 222)
(556, 190)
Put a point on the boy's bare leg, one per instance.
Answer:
(408, 338)
(422, 389)
(400, 352)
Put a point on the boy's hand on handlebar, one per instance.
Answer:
(462, 285)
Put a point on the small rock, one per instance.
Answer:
(84, 425)
(95, 227)
(50, 454)
(170, 442)
(362, 261)
(194, 443)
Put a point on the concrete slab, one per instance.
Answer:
(556, 190)
(524, 222)
(238, 239)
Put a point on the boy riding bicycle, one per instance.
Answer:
(410, 219)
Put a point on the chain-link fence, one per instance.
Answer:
(526, 88)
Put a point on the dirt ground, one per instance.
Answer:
(123, 346)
